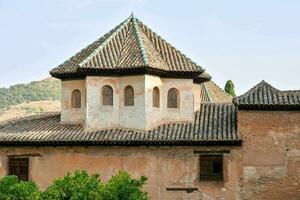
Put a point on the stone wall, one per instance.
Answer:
(165, 167)
(271, 154)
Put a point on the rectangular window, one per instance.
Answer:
(211, 168)
(19, 167)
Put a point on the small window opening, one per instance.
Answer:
(211, 168)
(19, 167)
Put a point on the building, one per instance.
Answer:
(132, 101)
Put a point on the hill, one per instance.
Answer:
(32, 107)
(24, 99)
(47, 89)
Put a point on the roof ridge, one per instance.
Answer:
(96, 50)
(139, 39)
(208, 95)
(198, 66)
(122, 48)
(154, 49)
(221, 89)
(256, 87)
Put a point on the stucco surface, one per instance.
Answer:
(165, 167)
(141, 116)
(69, 114)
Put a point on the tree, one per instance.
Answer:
(12, 189)
(82, 186)
(79, 186)
(122, 187)
(229, 88)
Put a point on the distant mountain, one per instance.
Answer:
(47, 89)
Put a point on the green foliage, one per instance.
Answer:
(79, 186)
(122, 186)
(12, 189)
(229, 88)
(48, 89)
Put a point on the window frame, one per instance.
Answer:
(15, 165)
(112, 95)
(206, 165)
(128, 102)
(155, 97)
(177, 98)
(74, 103)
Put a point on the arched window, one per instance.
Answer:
(76, 99)
(128, 96)
(155, 97)
(173, 98)
(107, 95)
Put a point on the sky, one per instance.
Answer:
(245, 41)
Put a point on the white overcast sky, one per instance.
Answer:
(245, 41)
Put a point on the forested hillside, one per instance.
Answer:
(47, 89)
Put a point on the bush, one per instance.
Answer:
(122, 186)
(77, 186)
(12, 189)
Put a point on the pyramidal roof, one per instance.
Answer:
(263, 96)
(131, 47)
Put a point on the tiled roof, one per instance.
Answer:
(214, 124)
(265, 96)
(131, 46)
(212, 93)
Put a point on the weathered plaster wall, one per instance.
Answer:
(271, 154)
(165, 167)
(142, 115)
(97, 115)
(153, 115)
(68, 114)
(133, 116)
(186, 110)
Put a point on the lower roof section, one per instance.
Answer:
(215, 124)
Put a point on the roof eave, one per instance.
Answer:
(140, 70)
(123, 143)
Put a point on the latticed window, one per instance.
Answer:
(107, 95)
(211, 167)
(76, 99)
(173, 98)
(155, 97)
(128, 96)
(19, 167)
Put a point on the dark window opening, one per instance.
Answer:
(19, 167)
(211, 168)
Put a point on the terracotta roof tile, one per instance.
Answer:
(265, 96)
(128, 46)
(214, 124)
(211, 92)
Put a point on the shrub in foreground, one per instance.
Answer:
(77, 186)
(12, 189)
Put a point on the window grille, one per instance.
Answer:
(107, 95)
(19, 167)
(173, 98)
(128, 96)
